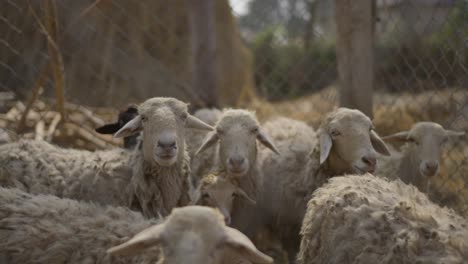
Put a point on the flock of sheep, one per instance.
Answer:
(335, 194)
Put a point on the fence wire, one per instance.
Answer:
(120, 51)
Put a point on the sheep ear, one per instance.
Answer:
(400, 136)
(378, 144)
(108, 129)
(242, 194)
(133, 126)
(242, 246)
(147, 238)
(210, 140)
(451, 133)
(326, 144)
(266, 141)
(194, 122)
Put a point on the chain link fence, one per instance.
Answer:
(114, 52)
(421, 70)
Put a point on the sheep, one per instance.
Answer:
(237, 132)
(123, 118)
(48, 229)
(366, 219)
(219, 191)
(345, 143)
(419, 159)
(152, 179)
(201, 164)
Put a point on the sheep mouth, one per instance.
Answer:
(363, 171)
(166, 157)
(238, 171)
(429, 173)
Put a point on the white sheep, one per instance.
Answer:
(345, 143)
(201, 164)
(365, 219)
(152, 179)
(220, 192)
(419, 159)
(48, 229)
(237, 132)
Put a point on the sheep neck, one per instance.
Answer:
(317, 174)
(409, 168)
(158, 189)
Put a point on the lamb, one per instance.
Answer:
(219, 192)
(152, 179)
(366, 219)
(419, 159)
(123, 118)
(48, 229)
(237, 132)
(201, 164)
(344, 143)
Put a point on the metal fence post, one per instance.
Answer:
(355, 53)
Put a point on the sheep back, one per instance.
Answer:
(48, 229)
(365, 219)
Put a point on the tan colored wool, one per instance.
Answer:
(236, 134)
(422, 146)
(131, 178)
(365, 219)
(308, 159)
(48, 229)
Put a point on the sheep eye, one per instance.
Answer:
(184, 116)
(254, 130)
(412, 140)
(335, 133)
(144, 118)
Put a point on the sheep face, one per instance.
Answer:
(348, 142)
(424, 142)
(192, 234)
(237, 132)
(220, 192)
(163, 122)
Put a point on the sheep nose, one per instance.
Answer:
(432, 167)
(369, 161)
(167, 145)
(236, 161)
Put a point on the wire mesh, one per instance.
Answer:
(118, 52)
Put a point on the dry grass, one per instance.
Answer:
(394, 113)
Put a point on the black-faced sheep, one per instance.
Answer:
(123, 118)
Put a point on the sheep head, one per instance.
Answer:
(163, 122)
(219, 192)
(349, 143)
(192, 234)
(237, 132)
(424, 141)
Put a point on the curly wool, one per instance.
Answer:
(365, 219)
(48, 229)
